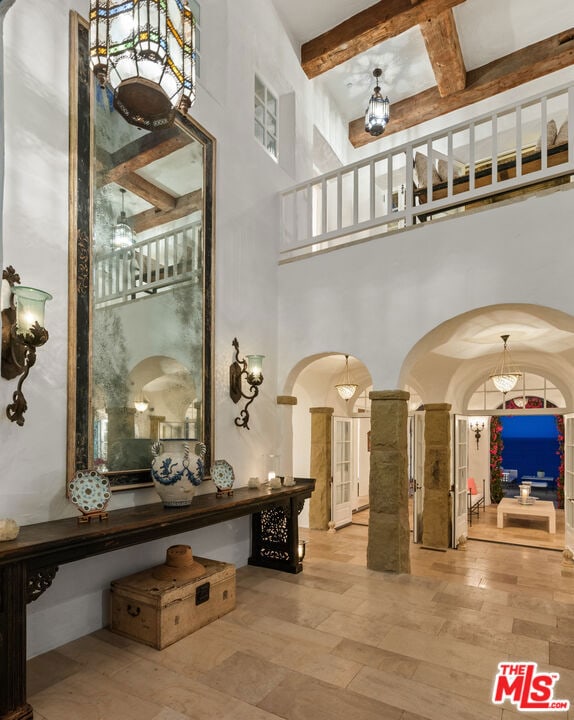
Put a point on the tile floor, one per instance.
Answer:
(336, 642)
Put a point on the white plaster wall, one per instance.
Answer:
(377, 299)
(237, 40)
(479, 460)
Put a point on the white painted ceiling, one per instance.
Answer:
(487, 29)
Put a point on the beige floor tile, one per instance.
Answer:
(301, 698)
(92, 696)
(245, 677)
(442, 650)
(300, 647)
(376, 657)
(412, 696)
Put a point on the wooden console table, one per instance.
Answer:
(29, 563)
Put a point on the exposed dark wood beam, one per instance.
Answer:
(443, 48)
(541, 58)
(184, 205)
(143, 151)
(372, 26)
(146, 190)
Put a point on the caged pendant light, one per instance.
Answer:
(378, 110)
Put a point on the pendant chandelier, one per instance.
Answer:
(505, 375)
(378, 110)
(346, 389)
(122, 234)
(145, 50)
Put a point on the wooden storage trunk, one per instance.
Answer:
(160, 612)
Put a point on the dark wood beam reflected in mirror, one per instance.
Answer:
(141, 233)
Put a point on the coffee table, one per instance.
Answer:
(538, 509)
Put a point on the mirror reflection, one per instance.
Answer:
(149, 306)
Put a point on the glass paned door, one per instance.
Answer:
(460, 494)
(341, 505)
(416, 471)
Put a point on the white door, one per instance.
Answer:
(361, 462)
(416, 471)
(341, 504)
(569, 480)
(460, 490)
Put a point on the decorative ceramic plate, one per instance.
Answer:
(89, 491)
(222, 475)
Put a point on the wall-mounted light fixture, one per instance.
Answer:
(146, 52)
(252, 368)
(476, 426)
(22, 332)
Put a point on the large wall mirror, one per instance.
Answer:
(141, 237)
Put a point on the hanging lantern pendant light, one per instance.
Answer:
(378, 110)
(145, 50)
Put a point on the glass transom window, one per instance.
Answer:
(266, 117)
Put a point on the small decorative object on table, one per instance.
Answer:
(289, 481)
(176, 475)
(223, 477)
(90, 493)
(253, 482)
(9, 529)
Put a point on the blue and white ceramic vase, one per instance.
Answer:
(223, 477)
(176, 475)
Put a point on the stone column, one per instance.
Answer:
(389, 530)
(320, 503)
(286, 403)
(436, 510)
(154, 423)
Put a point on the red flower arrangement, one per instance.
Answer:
(496, 448)
(560, 453)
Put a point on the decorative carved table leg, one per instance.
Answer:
(13, 705)
(275, 537)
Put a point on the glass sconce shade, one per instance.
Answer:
(254, 366)
(145, 49)
(30, 306)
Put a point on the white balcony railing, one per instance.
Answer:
(148, 266)
(513, 147)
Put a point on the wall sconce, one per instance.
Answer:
(476, 426)
(252, 368)
(22, 332)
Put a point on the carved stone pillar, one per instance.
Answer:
(436, 511)
(389, 531)
(286, 403)
(320, 503)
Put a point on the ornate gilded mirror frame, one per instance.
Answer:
(85, 171)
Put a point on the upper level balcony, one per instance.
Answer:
(514, 150)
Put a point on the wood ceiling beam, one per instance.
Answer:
(547, 56)
(443, 48)
(374, 25)
(146, 190)
(143, 151)
(184, 205)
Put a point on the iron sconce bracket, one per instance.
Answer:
(19, 347)
(253, 375)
